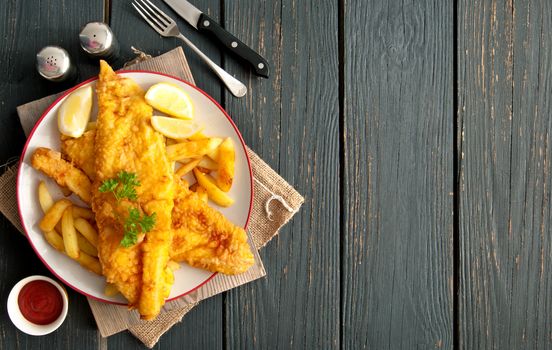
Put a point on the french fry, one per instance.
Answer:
(55, 240)
(90, 263)
(84, 258)
(80, 212)
(44, 197)
(185, 160)
(226, 160)
(203, 170)
(86, 246)
(111, 290)
(197, 136)
(69, 234)
(214, 193)
(186, 168)
(192, 149)
(213, 154)
(202, 193)
(208, 163)
(87, 230)
(194, 187)
(53, 215)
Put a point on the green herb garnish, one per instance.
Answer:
(122, 186)
(135, 224)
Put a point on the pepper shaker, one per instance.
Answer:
(54, 64)
(98, 41)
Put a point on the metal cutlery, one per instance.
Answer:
(166, 26)
(205, 24)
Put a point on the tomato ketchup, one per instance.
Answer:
(40, 302)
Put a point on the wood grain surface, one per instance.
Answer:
(292, 121)
(25, 28)
(504, 120)
(398, 175)
(393, 248)
(132, 30)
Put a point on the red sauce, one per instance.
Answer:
(40, 302)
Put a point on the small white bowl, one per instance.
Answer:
(21, 322)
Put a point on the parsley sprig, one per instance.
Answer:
(134, 224)
(124, 186)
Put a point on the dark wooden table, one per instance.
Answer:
(419, 133)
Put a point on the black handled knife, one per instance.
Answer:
(205, 24)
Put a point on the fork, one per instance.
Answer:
(166, 26)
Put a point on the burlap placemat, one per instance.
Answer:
(275, 202)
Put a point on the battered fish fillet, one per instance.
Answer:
(126, 141)
(81, 151)
(203, 237)
(64, 173)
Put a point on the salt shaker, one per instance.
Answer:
(98, 41)
(54, 64)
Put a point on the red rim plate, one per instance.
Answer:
(24, 152)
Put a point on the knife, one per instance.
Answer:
(205, 24)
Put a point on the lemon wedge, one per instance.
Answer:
(170, 99)
(175, 128)
(74, 112)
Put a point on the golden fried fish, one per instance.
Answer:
(125, 141)
(202, 236)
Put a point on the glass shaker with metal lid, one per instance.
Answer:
(54, 64)
(98, 41)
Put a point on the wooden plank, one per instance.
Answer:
(132, 30)
(292, 121)
(19, 261)
(192, 333)
(398, 181)
(504, 107)
(202, 328)
(27, 27)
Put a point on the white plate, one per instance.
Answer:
(46, 134)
